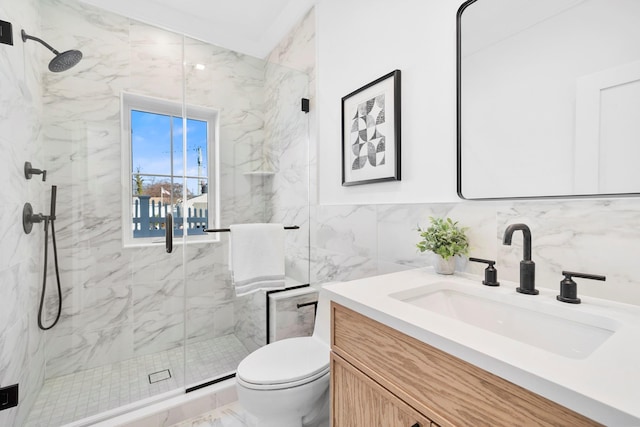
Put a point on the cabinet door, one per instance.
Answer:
(357, 401)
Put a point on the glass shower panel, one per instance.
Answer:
(258, 172)
(121, 335)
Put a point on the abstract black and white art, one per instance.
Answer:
(371, 132)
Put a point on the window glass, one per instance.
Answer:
(157, 171)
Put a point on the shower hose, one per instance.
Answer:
(44, 276)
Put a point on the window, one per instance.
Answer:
(161, 176)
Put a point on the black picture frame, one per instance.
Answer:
(371, 132)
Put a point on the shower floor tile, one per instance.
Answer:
(75, 396)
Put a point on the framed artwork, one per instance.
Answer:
(371, 132)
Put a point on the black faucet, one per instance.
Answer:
(527, 267)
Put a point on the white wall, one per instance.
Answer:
(371, 229)
(361, 40)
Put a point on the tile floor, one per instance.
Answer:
(231, 415)
(75, 396)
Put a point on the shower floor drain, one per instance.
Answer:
(155, 377)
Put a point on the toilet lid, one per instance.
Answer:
(286, 361)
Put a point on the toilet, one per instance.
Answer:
(286, 383)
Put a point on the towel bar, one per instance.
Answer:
(224, 230)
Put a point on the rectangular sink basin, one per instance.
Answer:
(517, 320)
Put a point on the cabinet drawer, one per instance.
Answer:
(446, 389)
(358, 401)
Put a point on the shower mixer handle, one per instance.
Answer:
(29, 218)
(29, 171)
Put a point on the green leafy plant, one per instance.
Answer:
(444, 237)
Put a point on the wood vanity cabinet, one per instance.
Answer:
(360, 401)
(381, 377)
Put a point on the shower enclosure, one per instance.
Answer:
(149, 123)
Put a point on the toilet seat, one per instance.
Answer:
(289, 363)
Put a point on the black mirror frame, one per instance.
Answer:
(461, 9)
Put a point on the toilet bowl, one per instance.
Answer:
(286, 383)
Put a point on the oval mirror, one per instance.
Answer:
(548, 98)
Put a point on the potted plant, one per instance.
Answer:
(446, 240)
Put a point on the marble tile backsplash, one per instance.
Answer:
(592, 236)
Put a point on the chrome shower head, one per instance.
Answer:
(62, 61)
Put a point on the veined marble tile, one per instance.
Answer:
(590, 236)
(80, 351)
(287, 320)
(88, 309)
(327, 266)
(250, 323)
(297, 49)
(23, 246)
(398, 235)
(14, 361)
(231, 415)
(397, 232)
(21, 342)
(158, 330)
(349, 230)
(152, 264)
(211, 321)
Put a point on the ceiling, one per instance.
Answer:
(253, 27)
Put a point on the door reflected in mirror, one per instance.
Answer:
(548, 98)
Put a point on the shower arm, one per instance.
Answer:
(26, 36)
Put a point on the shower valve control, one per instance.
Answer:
(29, 171)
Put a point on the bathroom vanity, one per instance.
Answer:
(408, 351)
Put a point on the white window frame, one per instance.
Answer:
(132, 101)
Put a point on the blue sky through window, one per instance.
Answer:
(152, 151)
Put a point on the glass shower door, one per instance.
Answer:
(257, 171)
(120, 339)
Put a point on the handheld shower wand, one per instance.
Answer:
(28, 219)
(50, 220)
(54, 196)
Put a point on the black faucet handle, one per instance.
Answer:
(485, 261)
(29, 171)
(490, 273)
(569, 288)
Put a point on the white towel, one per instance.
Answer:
(257, 257)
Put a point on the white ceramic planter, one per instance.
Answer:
(444, 266)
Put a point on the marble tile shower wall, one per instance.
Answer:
(121, 303)
(289, 139)
(21, 342)
(286, 151)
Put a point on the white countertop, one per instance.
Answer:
(604, 386)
